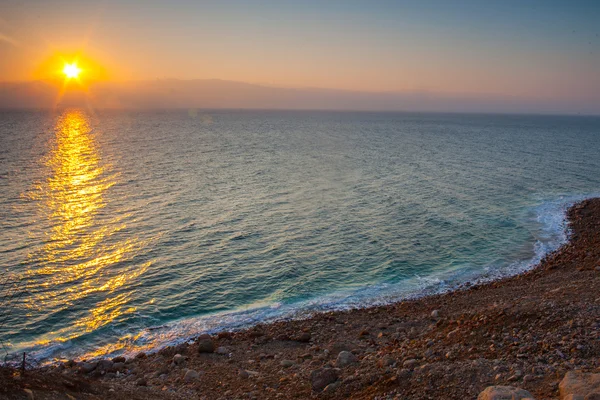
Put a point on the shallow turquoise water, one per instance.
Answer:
(128, 230)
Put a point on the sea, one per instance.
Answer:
(128, 231)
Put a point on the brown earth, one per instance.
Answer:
(525, 331)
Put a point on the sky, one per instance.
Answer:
(536, 50)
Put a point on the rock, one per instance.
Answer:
(574, 397)
(140, 355)
(87, 367)
(410, 364)
(119, 359)
(244, 374)
(118, 366)
(164, 370)
(344, 359)
(222, 350)
(504, 393)
(256, 333)
(191, 376)
(320, 378)
(304, 337)
(404, 374)
(224, 335)
(29, 394)
(105, 365)
(206, 346)
(141, 382)
(286, 363)
(339, 346)
(435, 314)
(386, 362)
(178, 359)
(453, 333)
(579, 383)
(332, 386)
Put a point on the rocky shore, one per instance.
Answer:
(535, 335)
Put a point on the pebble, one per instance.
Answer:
(345, 358)
(86, 367)
(322, 377)
(141, 382)
(105, 365)
(206, 346)
(191, 376)
(286, 363)
(178, 359)
(304, 337)
(410, 364)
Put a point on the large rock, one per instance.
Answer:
(320, 378)
(578, 383)
(344, 359)
(504, 393)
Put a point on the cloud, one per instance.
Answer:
(8, 39)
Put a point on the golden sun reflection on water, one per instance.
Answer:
(81, 276)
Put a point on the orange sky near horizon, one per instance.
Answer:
(350, 46)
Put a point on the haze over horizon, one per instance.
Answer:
(539, 57)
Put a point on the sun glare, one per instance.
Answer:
(71, 70)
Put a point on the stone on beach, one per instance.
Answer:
(304, 337)
(191, 376)
(345, 358)
(287, 363)
(105, 365)
(504, 393)
(206, 346)
(87, 367)
(322, 377)
(178, 359)
(578, 383)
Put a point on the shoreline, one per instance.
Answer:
(183, 331)
(517, 330)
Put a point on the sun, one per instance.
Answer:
(71, 70)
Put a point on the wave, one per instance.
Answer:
(550, 216)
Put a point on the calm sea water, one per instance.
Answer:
(129, 230)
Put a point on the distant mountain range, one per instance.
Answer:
(214, 94)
